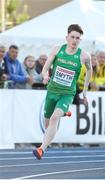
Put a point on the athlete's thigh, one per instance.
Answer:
(50, 103)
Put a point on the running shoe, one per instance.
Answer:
(38, 153)
(68, 114)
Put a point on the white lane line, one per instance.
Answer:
(60, 172)
(53, 157)
(59, 151)
(52, 163)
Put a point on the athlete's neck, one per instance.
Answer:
(70, 50)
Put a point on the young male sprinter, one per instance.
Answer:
(67, 61)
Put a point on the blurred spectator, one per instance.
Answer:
(101, 73)
(3, 67)
(81, 78)
(100, 55)
(29, 67)
(93, 86)
(97, 81)
(40, 63)
(15, 71)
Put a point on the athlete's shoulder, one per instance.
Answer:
(86, 59)
(56, 49)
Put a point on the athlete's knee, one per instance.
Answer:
(57, 114)
(46, 123)
(54, 118)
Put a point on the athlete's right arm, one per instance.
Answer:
(48, 65)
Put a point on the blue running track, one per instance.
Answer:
(57, 163)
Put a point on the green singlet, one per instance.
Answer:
(66, 70)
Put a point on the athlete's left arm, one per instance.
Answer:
(86, 59)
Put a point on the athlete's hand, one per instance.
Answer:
(85, 101)
(46, 79)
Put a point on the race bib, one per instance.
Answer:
(63, 76)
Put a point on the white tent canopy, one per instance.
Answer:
(41, 33)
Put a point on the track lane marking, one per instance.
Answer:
(73, 151)
(53, 157)
(59, 172)
(52, 163)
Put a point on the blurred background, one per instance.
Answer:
(14, 12)
(35, 37)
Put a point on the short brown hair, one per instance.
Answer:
(14, 47)
(75, 27)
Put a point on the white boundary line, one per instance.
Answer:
(58, 151)
(59, 172)
(53, 157)
(52, 163)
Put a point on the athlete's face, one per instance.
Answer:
(73, 39)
